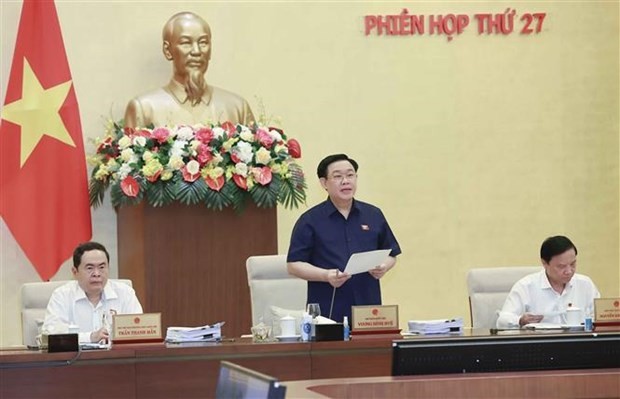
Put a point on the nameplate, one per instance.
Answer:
(145, 327)
(374, 318)
(607, 310)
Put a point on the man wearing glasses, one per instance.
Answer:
(91, 297)
(326, 236)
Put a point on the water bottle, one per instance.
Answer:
(306, 327)
(345, 325)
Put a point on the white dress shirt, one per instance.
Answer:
(70, 305)
(534, 294)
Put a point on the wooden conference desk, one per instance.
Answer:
(157, 371)
(594, 383)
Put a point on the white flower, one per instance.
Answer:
(218, 132)
(192, 167)
(185, 133)
(217, 159)
(124, 142)
(246, 134)
(244, 151)
(275, 135)
(127, 154)
(241, 169)
(123, 171)
(178, 148)
(263, 156)
(194, 144)
(280, 148)
(176, 162)
(139, 141)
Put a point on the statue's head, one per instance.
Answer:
(187, 43)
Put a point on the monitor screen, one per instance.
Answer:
(237, 382)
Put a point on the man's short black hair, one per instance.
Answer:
(321, 170)
(85, 247)
(555, 245)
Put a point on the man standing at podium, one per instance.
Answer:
(326, 236)
(187, 98)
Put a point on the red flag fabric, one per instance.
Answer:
(43, 179)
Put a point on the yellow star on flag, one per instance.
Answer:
(37, 112)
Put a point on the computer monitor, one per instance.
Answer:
(237, 382)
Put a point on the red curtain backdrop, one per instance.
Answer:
(43, 178)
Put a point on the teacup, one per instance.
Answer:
(287, 326)
(573, 316)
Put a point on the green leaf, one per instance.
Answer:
(237, 195)
(191, 193)
(161, 193)
(292, 190)
(96, 191)
(266, 196)
(217, 200)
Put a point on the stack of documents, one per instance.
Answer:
(194, 334)
(439, 326)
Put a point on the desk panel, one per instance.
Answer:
(191, 372)
(603, 383)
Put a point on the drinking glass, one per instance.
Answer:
(314, 310)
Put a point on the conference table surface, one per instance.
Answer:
(158, 370)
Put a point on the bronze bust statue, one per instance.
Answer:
(187, 98)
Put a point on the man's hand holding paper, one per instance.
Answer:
(336, 278)
(375, 262)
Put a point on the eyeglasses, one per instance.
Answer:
(340, 178)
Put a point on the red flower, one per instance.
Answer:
(262, 175)
(240, 181)
(230, 128)
(187, 176)
(234, 157)
(264, 138)
(160, 134)
(294, 148)
(130, 186)
(204, 154)
(154, 178)
(205, 135)
(215, 184)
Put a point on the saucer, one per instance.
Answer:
(288, 338)
(573, 327)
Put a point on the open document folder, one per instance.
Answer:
(363, 261)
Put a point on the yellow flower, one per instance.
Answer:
(166, 174)
(152, 167)
(102, 172)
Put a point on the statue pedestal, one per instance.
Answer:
(188, 262)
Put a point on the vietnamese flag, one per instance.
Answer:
(43, 180)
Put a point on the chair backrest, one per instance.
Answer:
(488, 289)
(34, 299)
(273, 291)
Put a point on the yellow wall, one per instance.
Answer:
(476, 149)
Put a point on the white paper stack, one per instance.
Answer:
(205, 333)
(438, 326)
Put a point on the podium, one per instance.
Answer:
(188, 262)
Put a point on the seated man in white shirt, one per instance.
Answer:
(86, 301)
(545, 296)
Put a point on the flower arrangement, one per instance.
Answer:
(220, 165)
